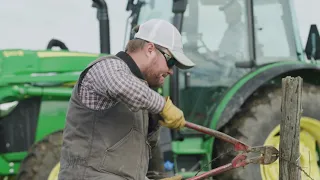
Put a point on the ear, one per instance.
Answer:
(149, 49)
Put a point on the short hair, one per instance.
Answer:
(134, 45)
(137, 44)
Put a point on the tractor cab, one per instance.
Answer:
(226, 39)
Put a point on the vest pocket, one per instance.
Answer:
(125, 157)
(120, 142)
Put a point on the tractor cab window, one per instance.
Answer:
(156, 9)
(215, 37)
(274, 31)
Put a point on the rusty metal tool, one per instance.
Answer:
(268, 154)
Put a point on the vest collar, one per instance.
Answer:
(130, 62)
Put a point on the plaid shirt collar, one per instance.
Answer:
(131, 64)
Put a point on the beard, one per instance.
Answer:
(152, 78)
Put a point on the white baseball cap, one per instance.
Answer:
(163, 33)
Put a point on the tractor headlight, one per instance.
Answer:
(6, 108)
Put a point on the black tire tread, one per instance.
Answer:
(41, 158)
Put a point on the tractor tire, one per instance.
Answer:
(260, 114)
(42, 158)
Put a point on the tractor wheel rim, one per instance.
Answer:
(54, 172)
(309, 138)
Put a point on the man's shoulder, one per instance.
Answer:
(110, 62)
(104, 69)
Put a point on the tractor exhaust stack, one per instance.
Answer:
(103, 17)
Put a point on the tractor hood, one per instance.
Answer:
(23, 66)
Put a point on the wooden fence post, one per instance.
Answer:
(291, 110)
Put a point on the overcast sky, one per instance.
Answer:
(30, 24)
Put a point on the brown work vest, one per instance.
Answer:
(109, 144)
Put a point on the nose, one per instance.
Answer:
(170, 71)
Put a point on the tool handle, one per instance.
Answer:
(238, 145)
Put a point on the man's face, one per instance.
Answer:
(157, 69)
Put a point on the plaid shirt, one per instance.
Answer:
(110, 81)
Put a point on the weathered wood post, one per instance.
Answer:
(291, 110)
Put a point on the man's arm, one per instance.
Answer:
(112, 78)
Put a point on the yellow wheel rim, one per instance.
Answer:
(54, 173)
(309, 137)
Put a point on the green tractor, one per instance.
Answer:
(242, 50)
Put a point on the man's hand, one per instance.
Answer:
(179, 177)
(173, 116)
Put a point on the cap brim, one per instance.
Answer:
(183, 61)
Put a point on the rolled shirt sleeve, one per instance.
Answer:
(112, 78)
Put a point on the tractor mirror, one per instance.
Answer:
(312, 49)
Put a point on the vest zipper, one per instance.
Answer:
(144, 156)
(149, 148)
(143, 149)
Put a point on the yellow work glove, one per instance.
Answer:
(172, 116)
(179, 177)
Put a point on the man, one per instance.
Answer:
(106, 134)
(233, 43)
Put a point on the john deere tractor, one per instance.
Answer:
(242, 50)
